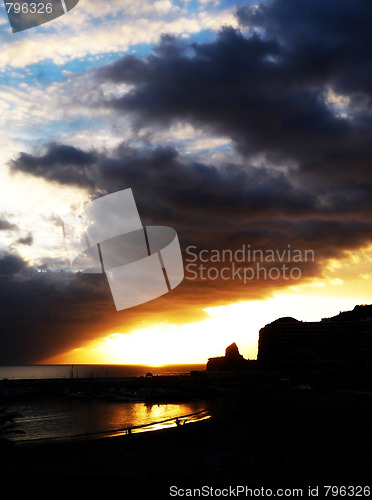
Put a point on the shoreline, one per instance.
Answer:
(258, 434)
(145, 462)
(155, 426)
(151, 460)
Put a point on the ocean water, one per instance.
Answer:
(29, 372)
(72, 419)
(72, 416)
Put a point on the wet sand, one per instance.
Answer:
(261, 438)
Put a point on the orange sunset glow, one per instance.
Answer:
(344, 285)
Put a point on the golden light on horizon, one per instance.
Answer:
(196, 342)
(345, 283)
(157, 345)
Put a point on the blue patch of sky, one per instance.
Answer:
(46, 72)
(141, 50)
(190, 5)
(197, 5)
(201, 37)
(226, 4)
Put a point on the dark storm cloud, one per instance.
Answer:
(268, 92)
(234, 86)
(167, 186)
(10, 265)
(232, 204)
(62, 163)
(43, 312)
(47, 313)
(324, 41)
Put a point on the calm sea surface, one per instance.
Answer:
(71, 417)
(89, 371)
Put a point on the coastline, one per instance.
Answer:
(156, 426)
(150, 459)
(100, 406)
(256, 436)
(259, 434)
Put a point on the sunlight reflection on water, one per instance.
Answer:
(180, 419)
(45, 419)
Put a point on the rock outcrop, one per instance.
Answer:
(232, 361)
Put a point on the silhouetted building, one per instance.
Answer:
(345, 338)
(232, 361)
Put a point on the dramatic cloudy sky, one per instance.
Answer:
(235, 123)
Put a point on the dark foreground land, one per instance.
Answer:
(257, 436)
